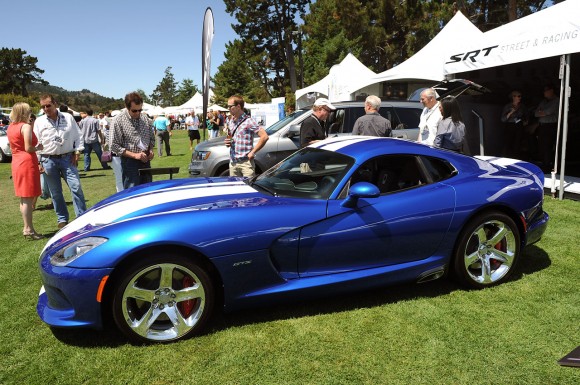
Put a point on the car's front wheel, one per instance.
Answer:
(163, 298)
(487, 250)
(3, 157)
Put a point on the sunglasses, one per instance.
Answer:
(231, 105)
(46, 106)
(135, 111)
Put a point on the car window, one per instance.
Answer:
(335, 122)
(282, 123)
(405, 118)
(438, 169)
(391, 173)
(310, 173)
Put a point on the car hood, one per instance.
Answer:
(164, 198)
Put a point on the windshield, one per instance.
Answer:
(309, 173)
(281, 123)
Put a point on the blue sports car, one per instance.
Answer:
(343, 214)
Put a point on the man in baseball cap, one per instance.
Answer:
(312, 128)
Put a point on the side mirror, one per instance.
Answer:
(294, 131)
(360, 190)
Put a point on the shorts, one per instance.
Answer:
(193, 134)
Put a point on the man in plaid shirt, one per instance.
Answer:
(241, 132)
(133, 141)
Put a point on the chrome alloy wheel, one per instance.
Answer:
(490, 252)
(163, 302)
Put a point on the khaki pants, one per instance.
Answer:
(243, 168)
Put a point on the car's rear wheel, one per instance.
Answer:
(163, 298)
(487, 251)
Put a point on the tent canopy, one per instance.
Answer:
(339, 82)
(427, 63)
(553, 31)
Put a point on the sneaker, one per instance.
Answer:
(62, 224)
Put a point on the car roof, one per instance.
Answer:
(366, 147)
(384, 103)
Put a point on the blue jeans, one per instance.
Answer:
(55, 168)
(131, 175)
(89, 147)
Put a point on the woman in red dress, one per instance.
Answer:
(25, 173)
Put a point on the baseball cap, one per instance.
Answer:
(324, 102)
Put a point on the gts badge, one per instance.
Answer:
(242, 263)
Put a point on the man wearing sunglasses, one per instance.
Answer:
(62, 143)
(242, 129)
(133, 141)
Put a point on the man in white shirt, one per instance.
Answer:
(430, 117)
(62, 140)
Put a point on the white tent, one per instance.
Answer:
(338, 84)
(194, 104)
(553, 31)
(427, 63)
(215, 107)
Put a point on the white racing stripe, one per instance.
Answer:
(118, 209)
(335, 144)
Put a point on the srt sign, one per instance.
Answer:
(472, 55)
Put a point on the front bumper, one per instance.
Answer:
(68, 297)
(537, 228)
(199, 168)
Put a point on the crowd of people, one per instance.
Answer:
(46, 150)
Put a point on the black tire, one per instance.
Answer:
(158, 290)
(487, 251)
(224, 172)
(4, 158)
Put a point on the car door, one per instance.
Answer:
(402, 225)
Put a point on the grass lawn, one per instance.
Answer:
(434, 333)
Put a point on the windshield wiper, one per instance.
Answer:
(267, 189)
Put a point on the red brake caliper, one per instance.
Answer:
(186, 307)
(495, 264)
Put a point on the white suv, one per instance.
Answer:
(5, 152)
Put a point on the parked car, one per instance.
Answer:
(5, 151)
(211, 158)
(343, 214)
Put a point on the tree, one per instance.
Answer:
(143, 95)
(165, 92)
(17, 71)
(235, 77)
(185, 91)
(266, 29)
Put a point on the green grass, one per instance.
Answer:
(434, 333)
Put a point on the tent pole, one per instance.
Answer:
(561, 76)
(565, 125)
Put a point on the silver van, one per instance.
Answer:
(211, 158)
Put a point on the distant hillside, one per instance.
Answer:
(77, 100)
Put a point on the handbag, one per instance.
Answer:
(106, 156)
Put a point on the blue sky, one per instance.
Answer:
(112, 47)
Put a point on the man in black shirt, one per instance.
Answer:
(312, 129)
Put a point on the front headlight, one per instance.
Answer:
(201, 155)
(71, 252)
